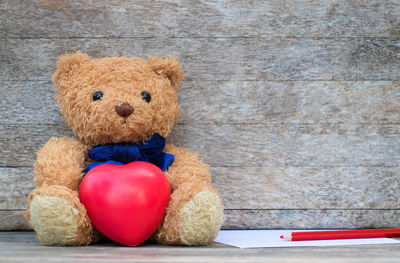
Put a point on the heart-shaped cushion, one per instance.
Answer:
(126, 203)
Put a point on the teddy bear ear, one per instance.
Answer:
(168, 67)
(68, 63)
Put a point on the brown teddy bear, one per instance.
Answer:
(113, 100)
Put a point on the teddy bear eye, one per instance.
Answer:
(97, 95)
(146, 96)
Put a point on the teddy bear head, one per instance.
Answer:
(117, 99)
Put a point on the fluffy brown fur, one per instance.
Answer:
(195, 212)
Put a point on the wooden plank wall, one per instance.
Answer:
(294, 104)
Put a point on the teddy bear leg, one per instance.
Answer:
(193, 217)
(58, 217)
(201, 218)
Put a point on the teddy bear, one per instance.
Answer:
(113, 100)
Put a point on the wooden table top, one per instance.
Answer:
(22, 246)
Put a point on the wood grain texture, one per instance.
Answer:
(231, 145)
(13, 220)
(319, 145)
(220, 58)
(246, 102)
(308, 187)
(294, 104)
(23, 247)
(270, 187)
(15, 186)
(260, 219)
(310, 18)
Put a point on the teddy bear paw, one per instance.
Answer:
(201, 218)
(58, 221)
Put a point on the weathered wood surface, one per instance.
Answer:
(325, 218)
(22, 247)
(245, 102)
(310, 18)
(15, 185)
(295, 105)
(220, 58)
(13, 220)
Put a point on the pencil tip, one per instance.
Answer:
(281, 236)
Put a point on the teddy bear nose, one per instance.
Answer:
(124, 110)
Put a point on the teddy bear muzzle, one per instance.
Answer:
(124, 110)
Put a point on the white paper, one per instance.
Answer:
(271, 238)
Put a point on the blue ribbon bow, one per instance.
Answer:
(123, 153)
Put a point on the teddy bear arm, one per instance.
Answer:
(186, 168)
(60, 162)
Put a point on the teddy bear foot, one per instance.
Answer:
(201, 218)
(58, 217)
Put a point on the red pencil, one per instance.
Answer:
(342, 234)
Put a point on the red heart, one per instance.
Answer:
(126, 203)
